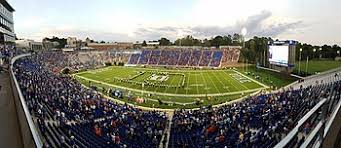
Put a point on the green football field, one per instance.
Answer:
(173, 83)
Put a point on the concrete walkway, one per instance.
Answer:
(9, 127)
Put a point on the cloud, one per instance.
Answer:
(70, 31)
(276, 29)
(254, 22)
(153, 33)
(256, 25)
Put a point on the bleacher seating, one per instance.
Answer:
(185, 56)
(155, 57)
(69, 115)
(169, 57)
(134, 58)
(206, 58)
(195, 58)
(259, 121)
(216, 58)
(144, 58)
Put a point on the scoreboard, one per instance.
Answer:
(281, 55)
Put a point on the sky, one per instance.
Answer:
(315, 22)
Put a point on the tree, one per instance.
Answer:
(102, 42)
(206, 43)
(237, 40)
(326, 51)
(188, 41)
(144, 43)
(217, 41)
(256, 50)
(164, 42)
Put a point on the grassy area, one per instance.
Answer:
(269, 78)
(316, 66)
(204, 101)
(185, 82)
(196, 82)
(173, 87)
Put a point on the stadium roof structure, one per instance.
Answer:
(7, 5)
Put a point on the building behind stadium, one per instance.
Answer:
(6, 22)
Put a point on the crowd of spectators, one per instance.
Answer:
(206, 58)
(81, 60)
(134, 58)
(259, 121)
(195, 58)
(68, 114)
(185, 57)
(155, 57)
(6, 53)
(144, 58)
(216, 58)
(169, 57)
(231, 55)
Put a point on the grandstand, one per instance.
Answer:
(186, 58)
(194, 81)
(158, 57)
(67, 114)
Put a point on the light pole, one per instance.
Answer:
(299, 62)
(306, 66)
(320, 52)
(264, 56)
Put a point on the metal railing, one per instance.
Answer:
(294, 132)
(32, 127)
(316, 136)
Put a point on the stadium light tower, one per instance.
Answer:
(320, 56)
(243, 32)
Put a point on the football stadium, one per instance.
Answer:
(190, 78)
(239, 86)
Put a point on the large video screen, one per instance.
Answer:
(279, 55)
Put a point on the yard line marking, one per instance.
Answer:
(190, 91)
(204, 82)
(187, 83)
(180, 83)
(169, 94)
(221, 82)
(265, 86)
(171, 82)
(236, 80)
(196, 82)
(226, 87)
(229, 80)
(214, 84)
